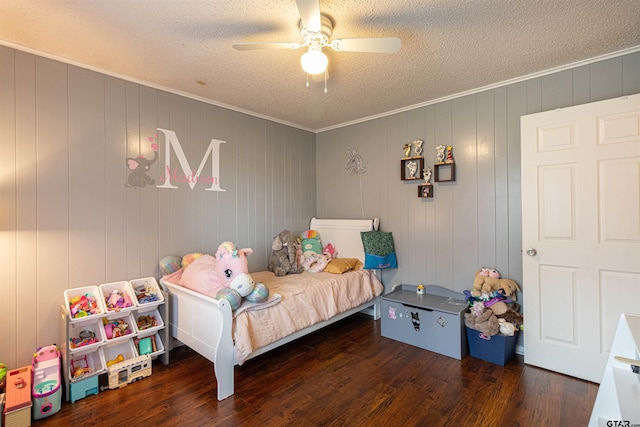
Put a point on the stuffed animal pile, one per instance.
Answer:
(493, 306)
(292, 255)
(316, 257)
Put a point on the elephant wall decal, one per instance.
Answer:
(139, 166)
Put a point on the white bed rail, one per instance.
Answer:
(204, 325)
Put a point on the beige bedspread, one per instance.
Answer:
(307, 299)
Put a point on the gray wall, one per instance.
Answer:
(475, 221)
(66, 218)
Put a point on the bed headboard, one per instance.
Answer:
(344, 234)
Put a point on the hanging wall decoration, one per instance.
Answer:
(355, 164)
(171, 177)
(445, 168)
(139, 166)
(411, 166)
(183, 173)
(426, 189)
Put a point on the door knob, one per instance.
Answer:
(532, 252)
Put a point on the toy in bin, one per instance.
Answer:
(80, 367)
(83, 306)
(146, 290)
(129, 370)
(17, 410)
(118, 299)
(3, 377)
(146, 345)
(47, 389)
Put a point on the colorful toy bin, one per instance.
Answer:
(47, 390)
(119, 327)
(17, 410)
(83, 303)
(147, 292)
(117, 297)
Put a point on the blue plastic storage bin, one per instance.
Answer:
(81, 389)
(498, 349)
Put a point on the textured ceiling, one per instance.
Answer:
(448, 47)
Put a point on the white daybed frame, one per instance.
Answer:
(205, 324)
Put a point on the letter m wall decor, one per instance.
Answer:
(171, 177)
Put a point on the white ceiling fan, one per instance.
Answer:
(316, 30)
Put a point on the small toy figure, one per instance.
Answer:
(449, 154)
(330, 251)
(119, 358)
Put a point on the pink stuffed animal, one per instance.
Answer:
(489, 272)
(225, 275)
(227, 269)
(329, 251)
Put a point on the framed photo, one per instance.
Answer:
(425, 190)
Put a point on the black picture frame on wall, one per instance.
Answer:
(444, 172)
(425, 191)
(405, 171)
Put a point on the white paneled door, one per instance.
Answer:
(581, 232)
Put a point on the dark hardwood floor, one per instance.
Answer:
(344, 375)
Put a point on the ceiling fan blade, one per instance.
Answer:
(310, 14)
(376, 45)
(267, 45)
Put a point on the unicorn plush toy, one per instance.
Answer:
(225, 275)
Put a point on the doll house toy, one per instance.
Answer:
(47, 390)
(17, 409)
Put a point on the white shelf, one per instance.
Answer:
(99, 353)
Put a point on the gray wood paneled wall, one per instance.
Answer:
(66, 218)
(476, 220)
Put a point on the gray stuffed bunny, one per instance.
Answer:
(283, 259)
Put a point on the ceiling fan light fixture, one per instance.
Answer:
(314, 61)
